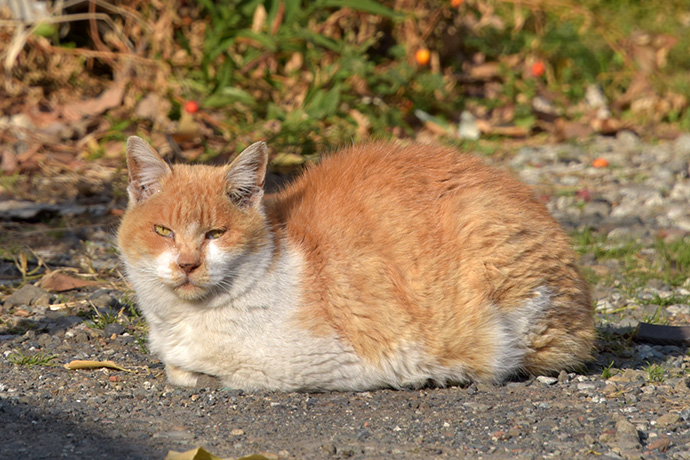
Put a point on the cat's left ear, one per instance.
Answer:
(246, 176)
(146, 170)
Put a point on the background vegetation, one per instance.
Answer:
(204, 78)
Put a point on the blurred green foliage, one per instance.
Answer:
(307, 75)
(332, 71)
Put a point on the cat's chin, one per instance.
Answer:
(190, 291)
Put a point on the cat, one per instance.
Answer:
(383, 266)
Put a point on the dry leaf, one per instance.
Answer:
(80, 364)
(438, 128)
(661, 444)
(363, 123)
(566, 129)
(8, 162)
(287, 162)
(202, 454)
(485, 71)
(259, 19)
(58, 282)
(21, 312)
(110, 98)
(502, 130)
(195, 454)
(23, 263)
(62, 305)
(606, 126)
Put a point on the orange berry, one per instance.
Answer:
(422, 56)
(600, 163)
(538, 69)
(455, 3)
(191, 106)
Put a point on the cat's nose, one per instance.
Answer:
(188, 262)
(188, 267)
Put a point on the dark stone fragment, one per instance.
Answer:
(44, 340)
(62, 323)
(113, 328)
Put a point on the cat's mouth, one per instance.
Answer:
(189, 291)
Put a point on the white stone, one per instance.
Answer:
(547, 380)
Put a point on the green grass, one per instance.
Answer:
(101, 320)
(606, 372)
(130, 304)
(137, 324)
(655, 373)
(586, 242)
(675, 260)
(665, 262)
(36, 359)
(142, 343)
(9, 182)
(673, 299)
(658, 317)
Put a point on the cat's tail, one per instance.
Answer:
(556, 330)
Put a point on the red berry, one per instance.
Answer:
(538, 69)
(191, 106)
(600, 163)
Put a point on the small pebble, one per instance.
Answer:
(547, 380)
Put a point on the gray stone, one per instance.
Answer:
(18, 324)
(597, 208)
(668, 420)
(645, 352)
(627, 437)
(113, 328)
(619, 232)
(629, 376)
(594, 96)
(563, 377)
(467, 128)
(103, 299)
(586, 386)
(678, 309)
(547, 380)
(27, 295)
(44, 340)
(681, 146)
(176, 435)
(627, 140)
(678, 166)
(685, 413)
(680, 191)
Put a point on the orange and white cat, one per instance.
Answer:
(382, 266)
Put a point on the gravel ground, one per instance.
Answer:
(630, 220)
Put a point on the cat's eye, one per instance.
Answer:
(216, 233)
(163, 231)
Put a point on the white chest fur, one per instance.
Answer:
(248, 336)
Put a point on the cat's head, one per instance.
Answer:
(190, 228)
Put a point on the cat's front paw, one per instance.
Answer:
(180, 377)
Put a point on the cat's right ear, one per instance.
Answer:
(246, 176)
(146, 170)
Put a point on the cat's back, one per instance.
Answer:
(387, 184)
